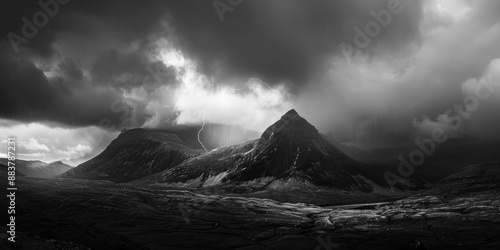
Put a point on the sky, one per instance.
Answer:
(373, 73)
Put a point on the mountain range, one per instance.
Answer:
(38, 169)
(290, 161)
(290, 156)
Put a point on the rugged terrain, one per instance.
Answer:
(462, 212)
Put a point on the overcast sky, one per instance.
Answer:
(370, 72)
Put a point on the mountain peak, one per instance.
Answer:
(291, 112)
(290, 122)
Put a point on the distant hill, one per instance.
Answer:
(38, 169)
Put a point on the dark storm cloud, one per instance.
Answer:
(121, 70)
(110, 40)
(30, 96)
(83, 36)
(457, 43)
(23, 84)
(274, 40)
(280, 40)
(126, 21)
(12, 13)
(70, 68)
(101, 48)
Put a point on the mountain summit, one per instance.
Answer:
(290, 123)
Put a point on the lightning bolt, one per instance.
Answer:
(201, 129)
(234, 90)
(204, 114)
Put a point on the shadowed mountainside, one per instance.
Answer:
(136, 153)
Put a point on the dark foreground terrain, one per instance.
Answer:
(462, 212)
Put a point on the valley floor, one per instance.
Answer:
(82, 214)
